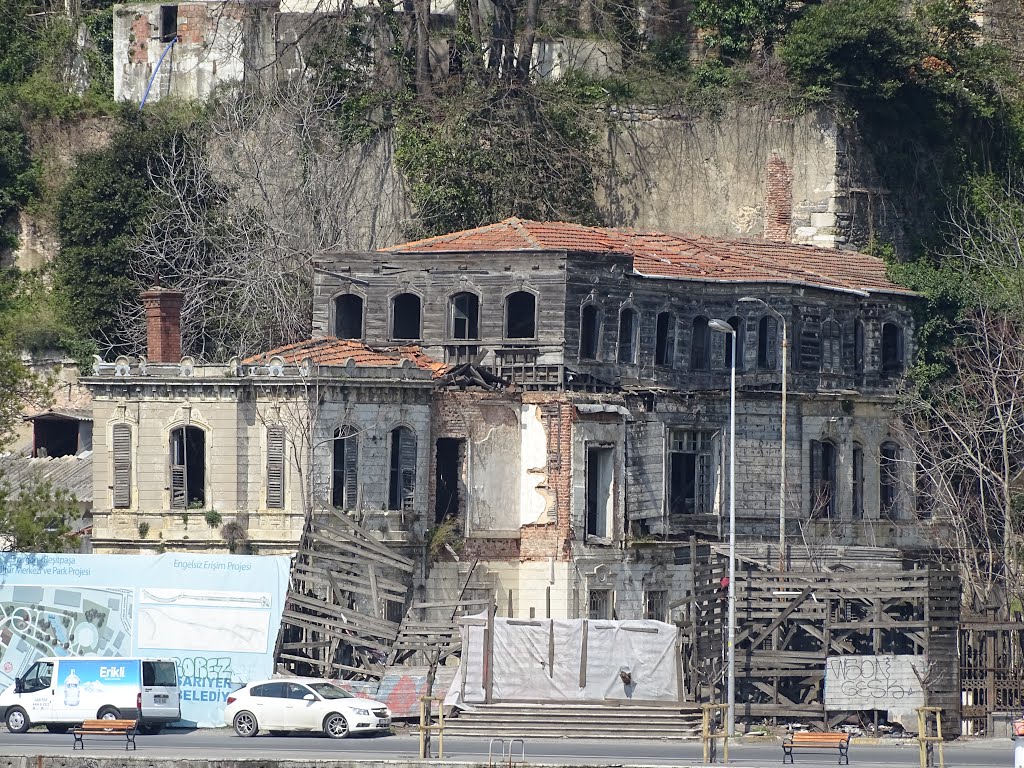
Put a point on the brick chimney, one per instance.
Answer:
(163, 324)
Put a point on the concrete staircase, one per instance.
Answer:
(575, 721)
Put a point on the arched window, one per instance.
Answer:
(465, 316)
(520, 315)
(345, 469)
(665, 339)
(831, 347)
(888, 480)
(628, 328)
(892, 349)
(405, 317)
(810, 346)
(730, 339)
(590, 332)
(188, 468)
(824, 455)
(767, 343)
(348, 316)
(402, 482)
(700, 345)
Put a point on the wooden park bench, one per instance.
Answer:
(819, 742)
(124, 728)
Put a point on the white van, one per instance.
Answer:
(59, 692)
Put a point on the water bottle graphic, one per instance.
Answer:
(71, 690)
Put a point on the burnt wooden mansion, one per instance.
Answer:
(538, 413)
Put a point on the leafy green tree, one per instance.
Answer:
(106, 198)
(739, 26)
(36, 518)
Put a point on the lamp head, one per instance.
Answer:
(721, 326)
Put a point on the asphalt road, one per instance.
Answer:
(222, 743)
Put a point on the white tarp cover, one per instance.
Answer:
(645, 650)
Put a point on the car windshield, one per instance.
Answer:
(328, 691)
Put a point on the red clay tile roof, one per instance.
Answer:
(687, 257)
(332, 351)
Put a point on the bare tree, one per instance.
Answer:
(968, 436)
(246, 203)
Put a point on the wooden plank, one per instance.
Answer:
(366, 540)
(377, 605)
(353, 548)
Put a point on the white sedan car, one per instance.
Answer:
(303, 704)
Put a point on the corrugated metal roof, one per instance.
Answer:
(70, 473)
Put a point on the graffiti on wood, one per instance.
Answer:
(874, 682)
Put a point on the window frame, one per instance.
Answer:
(336, 315)
(179, 472)
(631, 350)
(402, 465)
(703, 446)
(590, 308)
(699, 328)
(472, 323)
(393, 305)
(348, 470)
(506, 307)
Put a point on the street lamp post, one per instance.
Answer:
(723, 327)
(782, 463)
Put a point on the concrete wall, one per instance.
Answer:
(218, 43)
(756, 170)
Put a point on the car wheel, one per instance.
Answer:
(57, 728)
(279, 733)
(17, 720)
(245, 724)
(109, 713)
(151, 729)
(336, 726)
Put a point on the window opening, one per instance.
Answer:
(892, 349)
(275, 467)
(627, 336)
(168, 23)
(188, 468)
(767, 343)
(656, 605)
(691, 472)
(520, 315)
(925, 492)
(823, 479)
(858, 346)
(402, 484)
(348, 316)
(161, 674)
(858, 481)
(55, 437)
(888, 480)
(465, 316)
(700, 345)
(345, 474)
(450, 453)
(405, 317)
(599, 604)
(590, 332)
(810, 345)
(831, 347)
(664, 339)
(122, 445)
(600, 479)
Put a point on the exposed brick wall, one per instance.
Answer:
(778, 215)
(553, 539)
(141, 33)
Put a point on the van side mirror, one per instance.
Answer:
(19, 685)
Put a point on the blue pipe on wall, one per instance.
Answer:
(155, 71)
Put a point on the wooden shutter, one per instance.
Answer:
(407, 460)
(275, 467)
(122, 444)
(817, 479)
(178, 496)
(351, 472)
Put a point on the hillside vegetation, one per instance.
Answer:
(232, 199)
